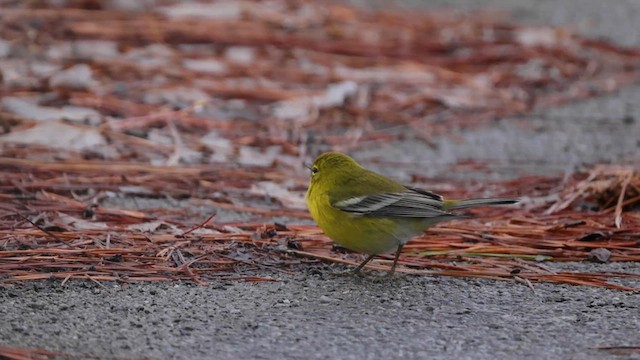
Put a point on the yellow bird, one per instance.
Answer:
(369, 213)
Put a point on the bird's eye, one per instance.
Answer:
(314, 170)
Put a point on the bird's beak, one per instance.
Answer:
(307, 166)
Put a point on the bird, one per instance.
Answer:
(369, 213)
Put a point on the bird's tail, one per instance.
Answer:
(463, 204)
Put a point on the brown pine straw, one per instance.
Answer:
(619, 350)
(411, 73)
(38, 241)
(22, 353)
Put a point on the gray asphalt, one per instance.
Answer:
(323, 315)
(319, 315)
(550, 142)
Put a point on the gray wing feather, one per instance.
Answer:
(410, 203)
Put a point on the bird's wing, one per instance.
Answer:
(411, 203)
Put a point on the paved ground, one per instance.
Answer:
(324, 316)
(319, 315)
(547, 142)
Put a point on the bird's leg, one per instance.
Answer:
(395, 261)
(362, 264)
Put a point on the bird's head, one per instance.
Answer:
(331, 164)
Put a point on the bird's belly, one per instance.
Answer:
(369, 235)
(362, 234)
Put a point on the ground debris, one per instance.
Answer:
(53, 224)
(19, 353)
(291, 74)
(167, 111)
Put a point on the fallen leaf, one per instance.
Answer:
(5, 48)
(154, 227)
(83, 50)
(242, 55)
(540, 36)
(73, 223)
(57, 135)
(179, 96)
(228, 10)
(206, 66)
(253, 156)
(77, 77)
(306, 107)
(288, 198)
(600, 255)
(29, 110)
